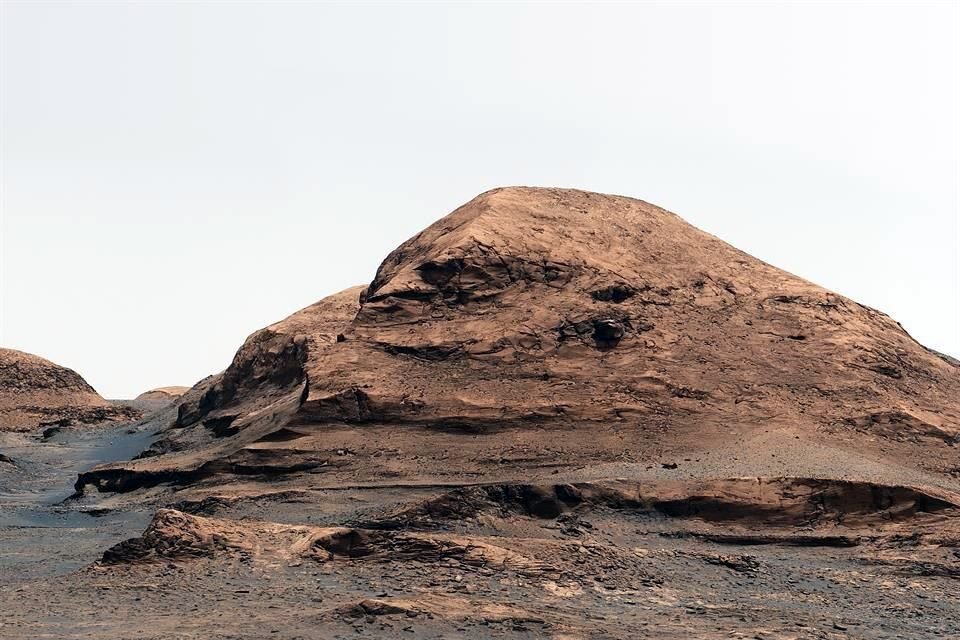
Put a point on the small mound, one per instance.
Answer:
(595, 329)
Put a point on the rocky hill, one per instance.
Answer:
(540, 329)
(38, 393)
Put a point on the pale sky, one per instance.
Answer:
(178, 175)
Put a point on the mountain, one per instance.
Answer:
(38, 393)
(541, 329)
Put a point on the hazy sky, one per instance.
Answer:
(178, 175)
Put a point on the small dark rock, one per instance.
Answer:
(607, 333)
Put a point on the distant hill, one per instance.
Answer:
(35, 392)
(163, 393)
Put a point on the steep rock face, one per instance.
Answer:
(588, 328)
(273, 358)
(35, 392)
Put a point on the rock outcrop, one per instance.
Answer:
(38, 393)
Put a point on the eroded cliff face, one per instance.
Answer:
(564, 328)
(35, 392)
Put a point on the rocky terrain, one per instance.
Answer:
(38, 393)
(552, 413)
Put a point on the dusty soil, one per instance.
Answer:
(551, 414)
